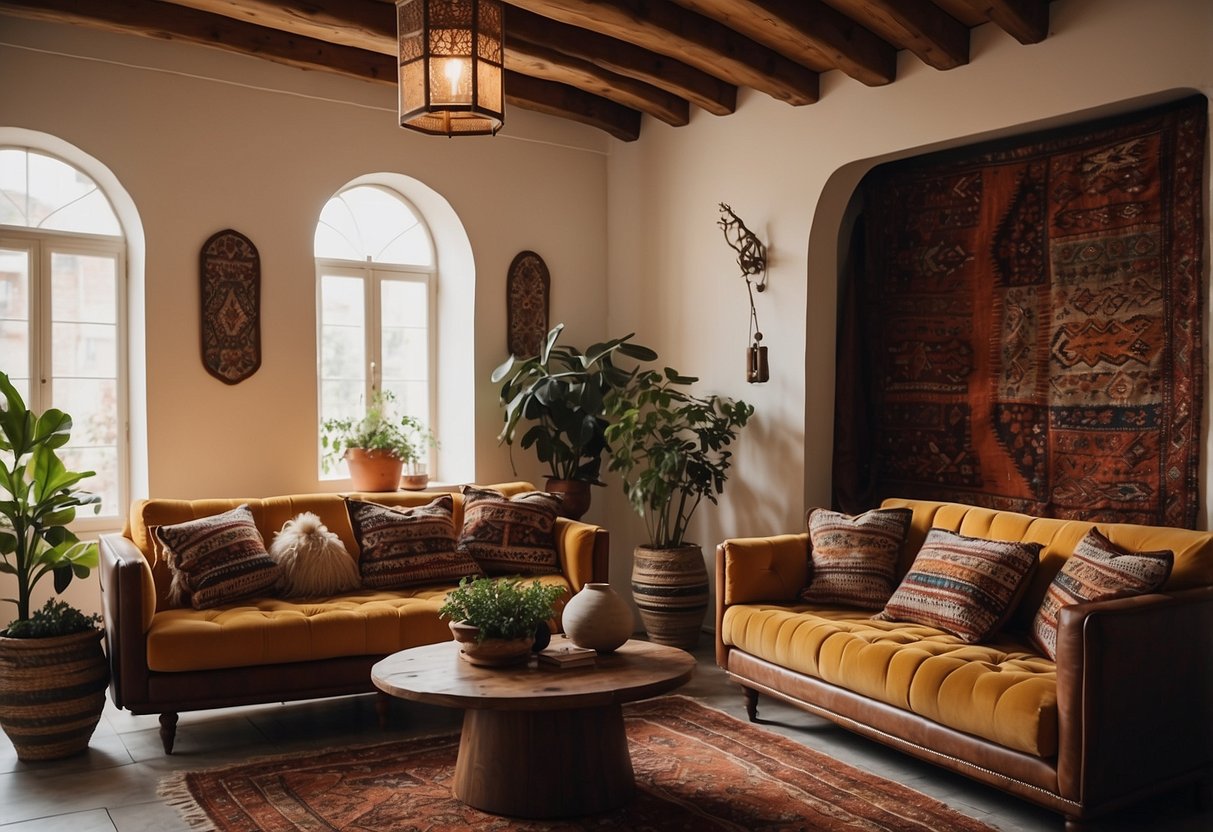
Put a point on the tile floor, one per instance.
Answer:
(112, 788)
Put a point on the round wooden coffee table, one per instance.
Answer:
(538, 741)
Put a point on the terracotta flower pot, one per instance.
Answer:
(373, 470)
(575, 496)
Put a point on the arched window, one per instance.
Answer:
(62, 312)
(375, 275)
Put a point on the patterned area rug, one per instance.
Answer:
(1030, 316)
(696, 769)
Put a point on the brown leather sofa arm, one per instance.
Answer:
(124, 586)
(1134, 683)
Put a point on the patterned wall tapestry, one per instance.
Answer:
(1024, 330)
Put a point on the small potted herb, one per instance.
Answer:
(378, 445)
(495, 619)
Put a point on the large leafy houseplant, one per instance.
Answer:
(40, 499)
(51, 657)
(672, 449)
(564, 395)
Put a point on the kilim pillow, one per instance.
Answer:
(965, 585)
(217, 560)
(510, 536)
(408, 546)
(312, 558)
(1097, 571)
(853, 561)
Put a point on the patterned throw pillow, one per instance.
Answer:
(1097, 571)
(965, 585)
(853, 561)
(217, 560)
(510, 536)
(408, 546)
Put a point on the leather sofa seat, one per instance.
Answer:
(1000, 690)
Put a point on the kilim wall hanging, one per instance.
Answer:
(230, 282)
(526, 303)
(1023, 329)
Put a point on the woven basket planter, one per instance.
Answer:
(52, 692)
(670, 587)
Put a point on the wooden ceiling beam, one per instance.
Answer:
(364, 24)
(662, 26)
(544, 62)
(1025, 20)
(573, 104)
(673, 76)
(809, 32)
(170, 22)
(932, 34)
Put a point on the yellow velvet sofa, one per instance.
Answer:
(166, 659)
(1126, 710)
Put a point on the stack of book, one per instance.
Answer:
(564, 653)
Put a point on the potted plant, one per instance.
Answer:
(496, 619)
(53, 672)
(563, 393)
(672, 450)
(378, 445)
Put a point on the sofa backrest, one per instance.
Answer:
(1193, 549)
(270, 513)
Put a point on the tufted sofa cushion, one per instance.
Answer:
(1001, 690)
(275, 631)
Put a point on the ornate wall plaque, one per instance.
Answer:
(526, 298)
(230, 282)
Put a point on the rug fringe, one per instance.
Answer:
(176, 793)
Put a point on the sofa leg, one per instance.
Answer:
(1075, 825)
(751, 703)
(383, 708)
(168, 730)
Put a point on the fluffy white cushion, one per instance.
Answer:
(312, 558)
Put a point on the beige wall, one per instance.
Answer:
(789, 172)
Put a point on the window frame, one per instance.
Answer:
(42, 245)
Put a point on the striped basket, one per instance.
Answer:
(670, 587)
(52, 692)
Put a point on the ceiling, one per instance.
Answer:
(597, 62)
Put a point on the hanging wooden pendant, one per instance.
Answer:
(527, 287)
(230, 283)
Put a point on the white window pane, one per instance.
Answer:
(341, 301)
(91, 215)
(14, 351)
(405, 354)
(404, 303)
(104, 461)
(84, 288)
(84, 350)
(412, 398)
(370, 222)
(13, 187)
(54, 186)
(342, 353)
(410, 248)
(331, 243)
(93, 406)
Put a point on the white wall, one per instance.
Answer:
(789, 172)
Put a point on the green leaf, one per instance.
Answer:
(63, 577)
(53, 428)
(637, 352)
(550, 342)
(502, 369)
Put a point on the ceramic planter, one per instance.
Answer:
(670, 588)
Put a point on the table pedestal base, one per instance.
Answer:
(544, 764)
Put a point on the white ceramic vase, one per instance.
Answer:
(598, 618)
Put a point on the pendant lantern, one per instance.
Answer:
(451, 66)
